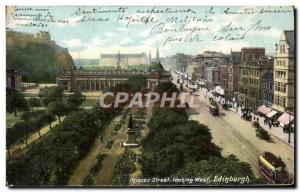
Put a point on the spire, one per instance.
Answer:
(130, 122)
(157, 55)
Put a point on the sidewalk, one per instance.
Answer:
(275, 131)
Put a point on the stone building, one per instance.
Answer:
(88, 80)
(233, 74)
(212, 76)
(211, 62)
(284, 73)
(13, 79)
(195, 71)
(212, 58)
(267, 90)
(178, 62)
(254, 65)
(123, 60)
(223, 76)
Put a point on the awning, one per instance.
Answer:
(271, 114)
(285, 119)
(219, 90)
(264, 110)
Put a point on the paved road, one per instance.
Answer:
(236, 136)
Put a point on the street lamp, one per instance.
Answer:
(289, 126)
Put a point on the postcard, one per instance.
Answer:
(150, 96)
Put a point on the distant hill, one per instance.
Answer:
(82, 62)
(38, 57)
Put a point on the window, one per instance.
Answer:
(282, 48)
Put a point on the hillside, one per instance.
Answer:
(40, 59)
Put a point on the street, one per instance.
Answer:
(236, 136)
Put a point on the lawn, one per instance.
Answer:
(11, 119)
(89, 102)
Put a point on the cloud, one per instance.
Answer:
(144, 33)
(108, 34)
(125, 41)
(97, 42)
(72, 43)
(122, 29)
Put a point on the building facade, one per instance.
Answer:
(178, 62)
(212, 76)
(233, 74)
(13, 79)
(267, 91)
(284, 76)
(211, 66)
(223, 78)
(254, 65)
(87, 80)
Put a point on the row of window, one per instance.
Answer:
(267, 97)
(278, 100)
(281, 87)
(267, 85)
(250, 72)
(250, 92)
(252, 81)
(280, 74)
(281, 63)
(282, 49)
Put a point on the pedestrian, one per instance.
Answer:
(270, 125)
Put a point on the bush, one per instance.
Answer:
(90, 178)
(124, 167)
(109, 144)
(117, 127)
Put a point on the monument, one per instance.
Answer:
(131, 135)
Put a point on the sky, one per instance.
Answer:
(89, 39)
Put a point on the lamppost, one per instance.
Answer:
(289, 126)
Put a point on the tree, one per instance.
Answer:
(38, 122)
(15, 101)
(48, 118)
(137, 82)
(77, 99)
(49, 94)
(168, 87)
(22, 129)
(34, 102)
(57, 108)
